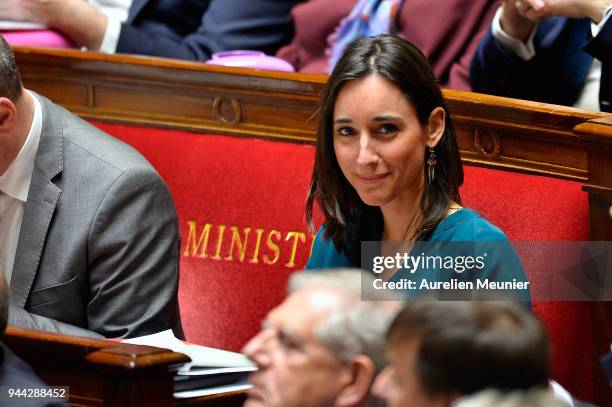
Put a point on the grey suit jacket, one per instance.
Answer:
(98, 248)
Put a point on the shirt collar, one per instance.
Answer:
(15, 182)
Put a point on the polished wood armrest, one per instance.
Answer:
(102, 372)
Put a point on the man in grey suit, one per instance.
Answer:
(88, 230)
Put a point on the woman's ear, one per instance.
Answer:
(436, 126)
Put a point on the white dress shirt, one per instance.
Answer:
(14, 186)
(589, 95)
(117, 12)
(113, 9)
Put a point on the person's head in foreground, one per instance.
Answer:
(387, 163)
(322, 346)
(439, 351)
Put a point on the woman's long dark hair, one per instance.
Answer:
(347, 217)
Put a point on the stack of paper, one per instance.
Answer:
(211, 371)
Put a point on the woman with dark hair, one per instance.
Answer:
(387, 164)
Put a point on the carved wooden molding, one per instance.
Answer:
(487, 144)
(227, 110)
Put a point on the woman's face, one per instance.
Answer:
(379, 142)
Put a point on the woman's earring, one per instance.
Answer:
(431, 165)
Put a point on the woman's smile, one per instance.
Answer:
(372, 179)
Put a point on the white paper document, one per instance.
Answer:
(240, 386)
(208, 369)
(201, 356)
(203, 371)
(164, 339)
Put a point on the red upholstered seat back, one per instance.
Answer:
(252, 194)
(528, 207)
(535, 208)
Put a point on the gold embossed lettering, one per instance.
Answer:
(313, 237)
(220, 233)
(197, 244)
(240, 244)
(273, 246)
(295, 236)
(255, 259)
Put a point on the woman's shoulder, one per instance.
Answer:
(467, 225)
(325, 255)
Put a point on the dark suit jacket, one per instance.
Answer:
(98, 247)
(195, 29)
(14, 372)
(564, 52)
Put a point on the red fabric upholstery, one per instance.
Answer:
(528, 207)
(534, 208)
(244, 182)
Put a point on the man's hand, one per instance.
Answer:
(538, 10)
(514, 22)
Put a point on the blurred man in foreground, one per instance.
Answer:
(440, 351)
(322, 346)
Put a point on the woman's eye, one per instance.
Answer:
(345, 131)
(387, 129)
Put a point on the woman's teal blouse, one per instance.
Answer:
(479, 237)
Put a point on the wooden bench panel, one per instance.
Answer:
(107, 373)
